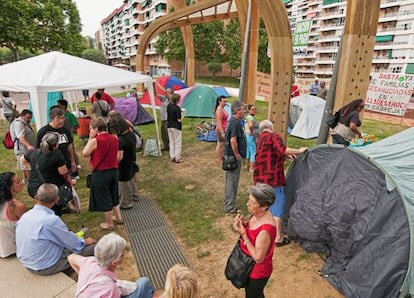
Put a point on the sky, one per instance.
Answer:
(92, 12)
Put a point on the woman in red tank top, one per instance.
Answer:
(102, 148)
(258, 237)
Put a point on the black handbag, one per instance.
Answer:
(238, 267)
(333, 120)
(229, 163)
(88, 180)
(65, 195)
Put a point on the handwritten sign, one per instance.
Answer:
(263, 85)
(389, 93)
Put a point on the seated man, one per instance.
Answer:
(43, 240)
(96, 277)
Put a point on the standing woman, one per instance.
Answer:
(174, 118)
(10, 212)
(348, 124)
(126, 159)
(222, 118)
(102, 148)
(251, 129)
(258, 237)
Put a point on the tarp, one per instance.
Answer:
(171, 82)
(55, 71)
(221, 91)
(132, 110)
(200, 101)
(306, 113)
(357, 205)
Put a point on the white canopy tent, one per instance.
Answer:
(306, 112)
(55, 71)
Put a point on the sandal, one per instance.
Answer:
(285, 241)
(107, 227)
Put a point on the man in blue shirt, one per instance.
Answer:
(43, 241)
(314, 87)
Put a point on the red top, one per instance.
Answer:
(105, 154)
(294, 91)
(265, 268)
(269, 160)
(106, 97)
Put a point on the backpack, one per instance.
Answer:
(7, 141)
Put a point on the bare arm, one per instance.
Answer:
(291, 153)
(89, 147)
(355, 128)
(74, 261)
(258, 251)
(71, 150)
(63, 170)
(235, 147)
(120, 155)
(22, 140)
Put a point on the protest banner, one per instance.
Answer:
(300, 37)
(389, 93)
(263, 85)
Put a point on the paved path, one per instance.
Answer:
(17, 282)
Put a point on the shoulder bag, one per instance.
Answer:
(229, 163)
(238, 267)
(333, 120)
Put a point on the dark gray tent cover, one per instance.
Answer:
(356, 205)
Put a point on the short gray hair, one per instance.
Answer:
(236, 106)
(47, 193)
(265, 124)
(109, 249)
(263, 193)
(55, 112)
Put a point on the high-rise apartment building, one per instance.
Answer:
(123, 27)
(394, 47)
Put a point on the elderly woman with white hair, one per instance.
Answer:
(96, 275)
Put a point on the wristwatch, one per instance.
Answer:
(245, 242)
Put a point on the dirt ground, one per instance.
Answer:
(295, 274)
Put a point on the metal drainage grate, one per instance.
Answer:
(154, 246)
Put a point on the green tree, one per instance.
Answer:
(232, 44)
(263, 63)
(58, 27)
(17, 27)
(94, 55)
(208, 41)
(47, 25)
(214, 67)
(171, 45)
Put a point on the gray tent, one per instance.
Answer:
(357, 206)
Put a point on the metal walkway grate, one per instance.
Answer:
(154, 246)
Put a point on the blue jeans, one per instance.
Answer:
(144, 289)
(230, 187)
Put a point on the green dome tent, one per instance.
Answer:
(199, 101)
(357, 206)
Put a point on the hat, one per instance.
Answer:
(316, 79)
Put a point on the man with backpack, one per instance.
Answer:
(24, 139)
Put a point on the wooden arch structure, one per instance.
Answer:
(355, 61)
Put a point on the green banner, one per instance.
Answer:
(300, 36)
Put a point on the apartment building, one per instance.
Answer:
(394, 48)
(122, 29)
